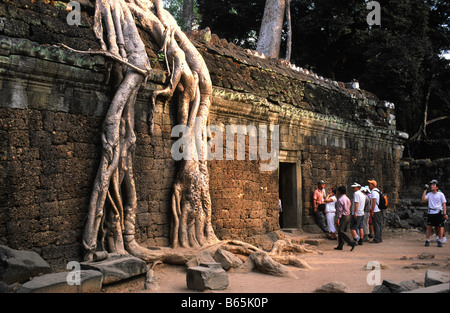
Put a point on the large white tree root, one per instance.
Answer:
(111, 217)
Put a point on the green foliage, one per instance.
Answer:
(398, 60)
(235, 20)
(175, 7)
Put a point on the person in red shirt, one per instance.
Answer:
(319, 206)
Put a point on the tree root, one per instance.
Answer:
(113, 201)
(271, 263)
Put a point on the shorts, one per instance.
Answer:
(436, 220)
(357, 223)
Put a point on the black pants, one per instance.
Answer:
(344, 221)
(377, 222)
(319, 216)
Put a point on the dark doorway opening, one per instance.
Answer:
(288, 195)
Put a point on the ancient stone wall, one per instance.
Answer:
(52, 103)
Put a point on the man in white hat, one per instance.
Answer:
(357, 222)
(437, 211)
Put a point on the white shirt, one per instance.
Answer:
(375, 194)
(435, 202)
(330, 207)
(359, 197)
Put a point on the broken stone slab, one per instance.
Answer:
(393, 286)
(333, 287)
(440, 288)
(207, 276)
(227, 259)
(409, 284)
(381, 289)
(19, 266)
(117, 267)
(433, 277)
(90, 281)
(204, 257)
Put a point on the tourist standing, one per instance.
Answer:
(319, 205)
(330, 212)
(357, 221)
(280, 213)
(437, 211)
(366, 192)
(375, 213)
(343, 205)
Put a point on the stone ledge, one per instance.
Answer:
(441, 288)
(90, 282)
(117, 267)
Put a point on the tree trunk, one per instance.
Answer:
(289, 31)
(269, 40)
(112, 208)
(188, 14)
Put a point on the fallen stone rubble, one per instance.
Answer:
(434, 282)
(27, 272)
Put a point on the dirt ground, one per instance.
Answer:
(398, 250)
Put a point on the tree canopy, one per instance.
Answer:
(401, 61)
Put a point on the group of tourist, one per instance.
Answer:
(361, 213)
(335, 212)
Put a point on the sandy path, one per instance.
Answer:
(332, 265)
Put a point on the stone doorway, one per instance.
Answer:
(290, 194)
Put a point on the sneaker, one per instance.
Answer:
(439, 244)
(444, 240)
(360, 242)
(427, 243)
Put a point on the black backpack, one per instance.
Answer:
(383, 200)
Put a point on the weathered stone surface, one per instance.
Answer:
(204, 257)
(393, 286)
(207, 276)
(381, 289)
(433, 277)
(264, 263)
(333, 287)
(440, 288)
(19, 266)
(409, 285)
(227, 259)
(117, 267)
(90, 282)
(246, 267)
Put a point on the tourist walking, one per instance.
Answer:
(375, 213)
(319, 205)
(357, 221)
(330, 212)
(437, 211)
(343, 205)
